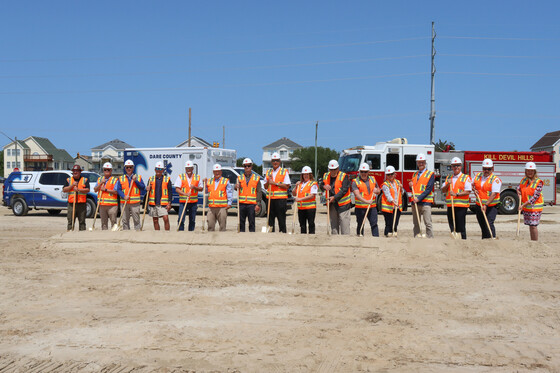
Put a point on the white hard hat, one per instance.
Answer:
(217, 167)
(306, 170)
(247, 161)
(333, 165)
(159, 164)
(487, 163)
(129, 162)
(456, 160)
(108, 165)
(420, 157)
(389, 170)
(189, 164)
(364, 167)
(530, 166)
(275, 156)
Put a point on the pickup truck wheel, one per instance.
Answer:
(19, 207)
(53, 212)
(262, 213)
(90, 208)
(509, 203)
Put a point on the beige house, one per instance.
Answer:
(35, 154)
(84, 161)
(285, 147)
(549, 143)
(112, 151)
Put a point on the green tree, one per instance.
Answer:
(306, 157)
(441, 146)
(257, 168)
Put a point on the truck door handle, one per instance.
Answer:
(37, 188)
(56, 188)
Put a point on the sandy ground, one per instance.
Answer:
(228, 302)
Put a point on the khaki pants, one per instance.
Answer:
(219, 214)
(106, 213)
(340, 222)
(425, 213)
(128, 212)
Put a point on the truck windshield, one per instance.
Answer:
(350, 162)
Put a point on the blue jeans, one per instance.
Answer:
(191, 213)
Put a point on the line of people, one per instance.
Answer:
(336, 184)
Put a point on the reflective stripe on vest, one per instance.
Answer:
(485, 190)
(528, 189)
(306, 192)
(387, 206)
(337, 186)
(164, 191)
(363, 189)
(418, 187)
(275, 191)
(462, 201)
(134, 193)
(218, 195)
(106, 198)
(248, 190)
(186, 188)
(82, 197)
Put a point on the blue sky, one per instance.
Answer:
(83, 73)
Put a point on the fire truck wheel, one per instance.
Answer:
(509, 203)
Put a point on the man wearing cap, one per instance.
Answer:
(337, 184)
(220, 196)
(457, 186)
(365, 191)
(107, 194)
(422, 186)
(277, 183)
(187, 186)
(487, 186)
(77, 188)
(130, 187)
(250, 194)
(160, 192)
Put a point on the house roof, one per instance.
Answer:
(283, 141)
(547, 140)
(116, 143)
(49, 148)
(20, 145)
(194, 138)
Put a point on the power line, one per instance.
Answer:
(493, 56)
(497, 74)
(217, 52)
(498, 38)
(213, 70)
(215, 86)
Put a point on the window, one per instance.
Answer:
(283, 154)
(119, 154)
(9, 165)
(374, 161)
(50, 178)
(230, 175)
(392, 160)
(349, 163)
(410, 162)
(92, 177)
(8, 152)
(18, 164)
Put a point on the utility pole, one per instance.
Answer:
(433, 97)
(189, 143)
(223, 137)
(15, 144)
(316, 129)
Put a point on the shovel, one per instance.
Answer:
(395, 208)
(454, 234)
(365, 217)
(74, 208)
(95, 215)
(419, 235)
(238, 215)
(328, 215)
(267, 228)
(182, 215)
(145, 209)
(518, 219)
(204, 207)
(484, 214)
(118, 226)
(294, 219)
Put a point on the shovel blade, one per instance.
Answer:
(116, 228)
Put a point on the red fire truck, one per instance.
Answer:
(508, 166)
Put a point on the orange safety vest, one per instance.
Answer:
(485, 190)
(248, 189)
(134, 193)
(218, 195)
(419, 186)
(363, 189)
(106, 198)
(186, 188)
(459, 186)
(82, 197)
(387, 206)
(337, 185)
(275, 191)
(527, 191)
(306, 192)
(164, 191)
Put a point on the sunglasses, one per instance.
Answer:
(159, 169)
(455, 165)
(275, 160)
(106, 169)
(129, 167)
(364, 172)
(487, 169)
(247, 165)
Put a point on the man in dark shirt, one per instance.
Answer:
(77, 188)
(340, 204)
